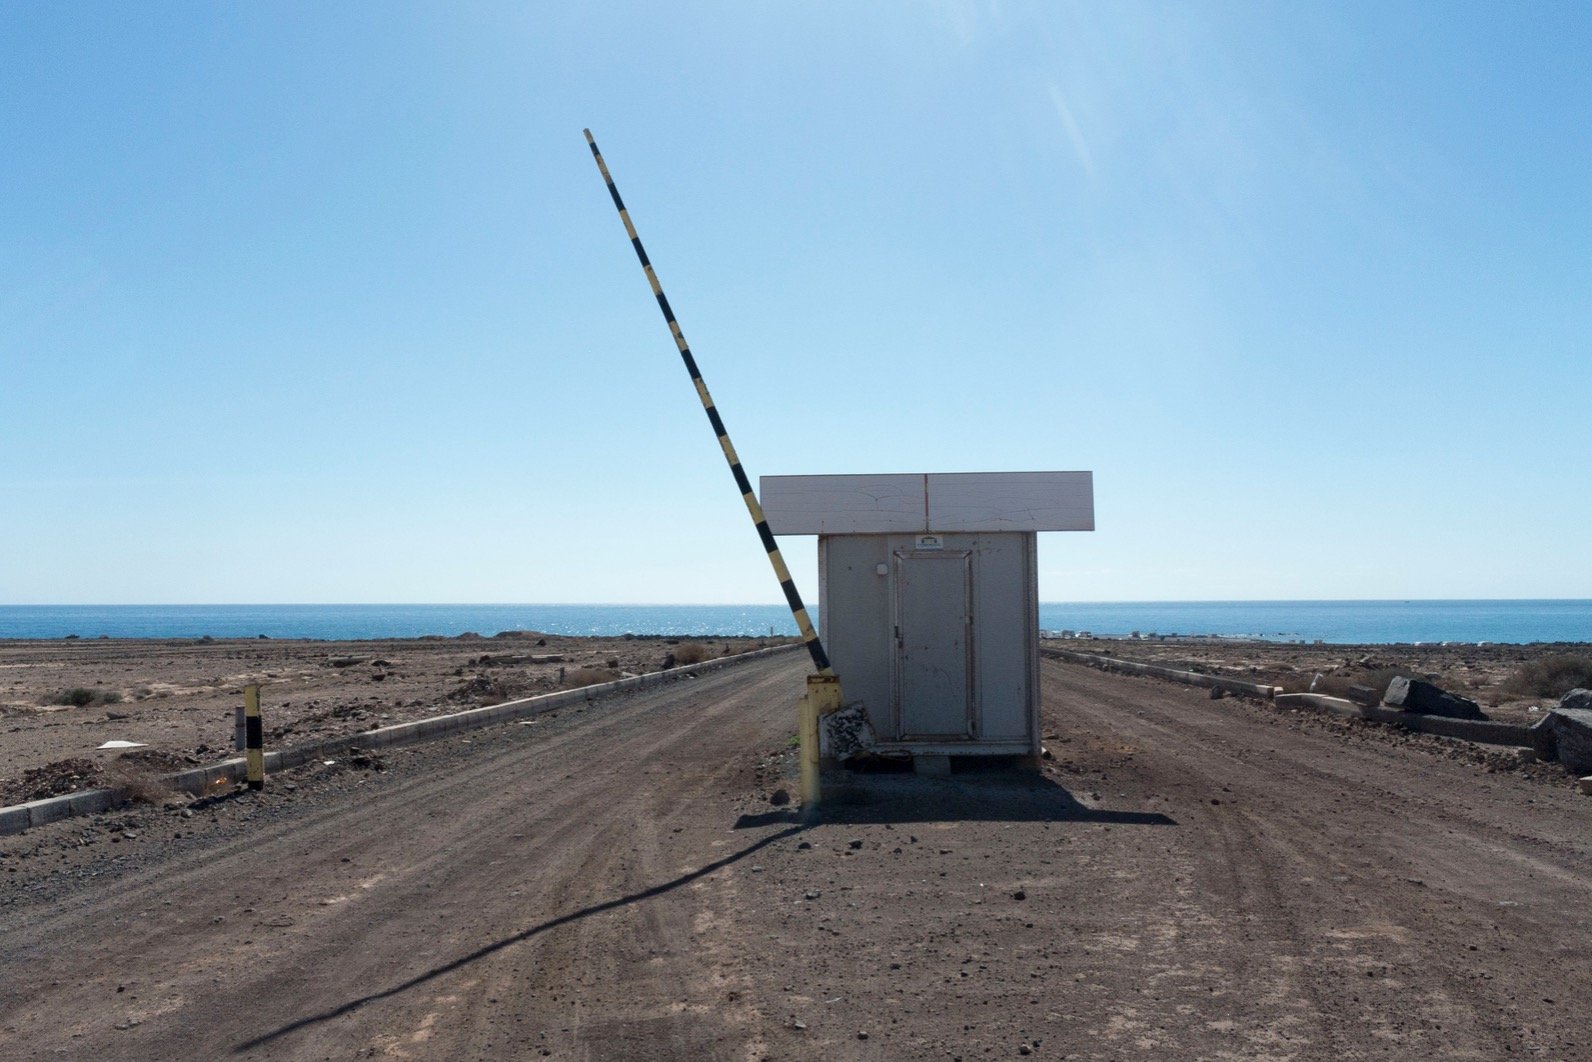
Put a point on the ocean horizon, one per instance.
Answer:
(1345, 622)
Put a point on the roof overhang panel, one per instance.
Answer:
(923, 502)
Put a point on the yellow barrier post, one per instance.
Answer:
(253, 737)
(822, 697)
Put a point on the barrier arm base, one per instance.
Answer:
(822, 698)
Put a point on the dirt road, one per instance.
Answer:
(1189, 878)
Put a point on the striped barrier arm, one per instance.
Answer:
(815, 648)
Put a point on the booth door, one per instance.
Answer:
(933, 643)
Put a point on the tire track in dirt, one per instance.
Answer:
(1381, 897)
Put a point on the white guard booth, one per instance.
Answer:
(928, 599)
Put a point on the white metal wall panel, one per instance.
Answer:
(858, 598)
(1011, 501)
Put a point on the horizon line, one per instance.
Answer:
(754, 604)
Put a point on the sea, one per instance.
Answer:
(1343, 622)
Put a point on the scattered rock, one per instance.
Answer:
(1414, 695)
(1019, 895)
(779, 798)
(854, 845)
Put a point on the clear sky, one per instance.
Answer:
(327, 303)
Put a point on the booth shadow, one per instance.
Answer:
(982, 796)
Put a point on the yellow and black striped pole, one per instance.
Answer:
(253, 738)
(815, 648)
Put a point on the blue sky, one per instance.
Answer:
(327, 303)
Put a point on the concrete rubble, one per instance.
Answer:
(1413, 695)
(1565, 733)
(846, 734)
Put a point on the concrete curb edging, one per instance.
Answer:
(1192, 678)
(1482, 732)
(201, 780)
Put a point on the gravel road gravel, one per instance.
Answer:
(1187, 878)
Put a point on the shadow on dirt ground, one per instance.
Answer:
(509, 941)
(983, 796)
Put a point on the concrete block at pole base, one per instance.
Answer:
(1423, 698)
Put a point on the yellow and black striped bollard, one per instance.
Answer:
(253, 738)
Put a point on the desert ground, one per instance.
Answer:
(1184, 877)
(61, 699)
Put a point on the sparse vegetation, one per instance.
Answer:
(82, 696)
(691, 653)
(138, 784)
(588, 676)
(1552, 676)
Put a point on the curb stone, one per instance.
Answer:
(1482, 732)
(1192, 678)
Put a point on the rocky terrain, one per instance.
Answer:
(62, 699)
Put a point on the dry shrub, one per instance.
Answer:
(1552, 676)
(81, 696)
(140, 785)
(588, 676)
(691, 653)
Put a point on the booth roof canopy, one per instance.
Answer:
(925, 502)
